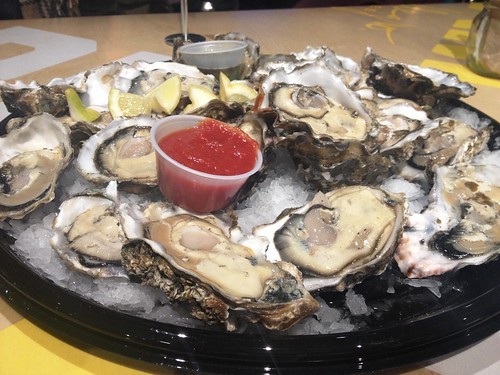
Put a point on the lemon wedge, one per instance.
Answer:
(166, 96)
(124, 104)
(235, 91)
(77, 110)
(199, 96)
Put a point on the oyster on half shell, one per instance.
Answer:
(120, 152)
(441, 141)
(461, 225)
(90, 229)
(326, 127)
(32, 157)
(192, 259)
(325, 116)
(340, 237)
(319, 76)
(449, 142)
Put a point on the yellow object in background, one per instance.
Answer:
(464, 73)
(48, 355)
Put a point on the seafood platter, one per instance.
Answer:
(369, 238)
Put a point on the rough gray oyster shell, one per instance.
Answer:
(422, 85)
(27, 100)
(33, 156)
(191, 259)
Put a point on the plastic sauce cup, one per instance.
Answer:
(216, 56)
(188, 188)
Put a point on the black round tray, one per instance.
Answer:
(408, 326)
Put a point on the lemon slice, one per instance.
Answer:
(166, 96)
(124, 104)
(199, 96)
(235, 91)
(77, 110)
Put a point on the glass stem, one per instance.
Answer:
(184, 19)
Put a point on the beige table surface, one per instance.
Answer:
(41, 49)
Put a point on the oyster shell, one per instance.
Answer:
(422, 85)
(154, 74)
(90, 229)
(139, 78)
(33, 156)
(27, 100)
(95, 84)
(121, 152)
(340, 237)
(317, 75)
(220, 110)
(461, 225)
(324, 116)
(449, 142)
(258, 125)
(252, 52)
(325, 125)
(192, 259)
(79, 130)
(342, 66)
(441, 141)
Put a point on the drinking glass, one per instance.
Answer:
(184, 34)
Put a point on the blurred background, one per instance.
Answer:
(15, 9)
(161, 6)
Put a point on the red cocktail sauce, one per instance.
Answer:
(212, 147)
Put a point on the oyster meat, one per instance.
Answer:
(319, 76)
(340, 237)
(32, 157)
(322, 114)
(121, 152)
(192, 259)
(449, 142)
(90, 229)
(461, 225)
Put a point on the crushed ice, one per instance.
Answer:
(432, 285)
(283, 187)
(356, 303)
(415, 195)
(326, 320)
